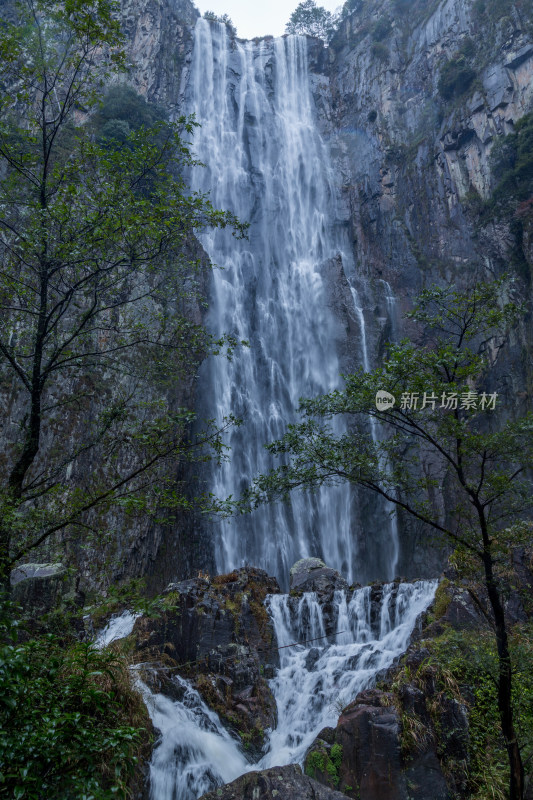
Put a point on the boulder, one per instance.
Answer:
(41, 587)
(368, 733)
(277, 783)
(217, 634)
(313, 575)
(391, 746)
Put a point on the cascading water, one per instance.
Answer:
(266, 162)
(195, 752)
(344, 645)
(390, 508)
(313, 684)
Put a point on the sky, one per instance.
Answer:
(258, 17)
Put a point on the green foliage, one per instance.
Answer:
(470, 660)
(311, 20)
(449, 364)
(381, 29)
(456, 77)
(448, 444)
(442, 599)
(71, 725)
(315, 763)
(122, 111)
(380, 51)
(512, 165)
(98, 282)
(335, 756)
(225, 19)
(325, 764)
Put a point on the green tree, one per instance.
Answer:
(98, 276)
(470, 456)
(311, 20)
(224, 18)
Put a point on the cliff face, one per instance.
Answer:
(159, 44)
(159, 37)
(411, 98)
(412, 152)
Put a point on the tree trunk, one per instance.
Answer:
(505, 700)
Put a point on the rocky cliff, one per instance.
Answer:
(416, 101)
(413, 99)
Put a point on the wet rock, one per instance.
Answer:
(217, 633)
(312, 575)
(462, 612)
(362, 757)
(368, 732)
(278, 783)
(390, 746)
(41, 587)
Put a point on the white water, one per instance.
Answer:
(315, 680)
(117, 628)
(267, 163)
(194, 753)
(394, 539)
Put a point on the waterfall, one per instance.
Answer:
(265, 161)
(390, 508)
(315, 682)
(117, 628)
(328, 653)
(194, 753)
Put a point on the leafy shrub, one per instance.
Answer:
(380, 51)
(71, 725)
(456, 77)
(308, 19)
(122, 103)
(467, 48)
(381, 29)
(224, 18)
(469, 660)
(512, 163)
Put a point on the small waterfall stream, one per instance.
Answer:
(315, 680)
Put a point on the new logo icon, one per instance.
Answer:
(384, 400)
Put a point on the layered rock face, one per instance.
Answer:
(410, 158)
(278, 783)
(412, 98)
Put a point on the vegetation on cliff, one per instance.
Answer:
(311, 20)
